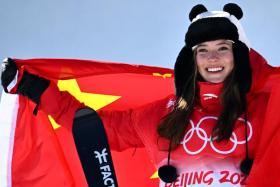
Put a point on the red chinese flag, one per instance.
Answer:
(44, 152)
(40, 152)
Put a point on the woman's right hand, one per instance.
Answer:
(29, 85)
(8, 72)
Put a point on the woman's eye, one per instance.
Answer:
(201, 50)
(223, 48)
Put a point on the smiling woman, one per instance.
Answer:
(214, 60)
(221, 126)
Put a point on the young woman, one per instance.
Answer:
(209, 132)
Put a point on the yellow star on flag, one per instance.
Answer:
(94, 101)
(155, 175)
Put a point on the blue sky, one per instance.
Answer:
(147, 32)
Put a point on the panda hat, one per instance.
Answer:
(208, 26)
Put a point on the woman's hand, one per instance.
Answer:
(8, 72)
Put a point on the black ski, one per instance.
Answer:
(93, 149)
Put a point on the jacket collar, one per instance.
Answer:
(209, 96)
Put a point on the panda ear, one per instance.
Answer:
(197, 9)
(233, 9)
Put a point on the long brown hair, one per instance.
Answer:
(233, 100)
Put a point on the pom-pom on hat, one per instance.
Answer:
(208, 26)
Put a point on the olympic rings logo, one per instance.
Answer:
(201, 134)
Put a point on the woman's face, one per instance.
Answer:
(214, 60)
